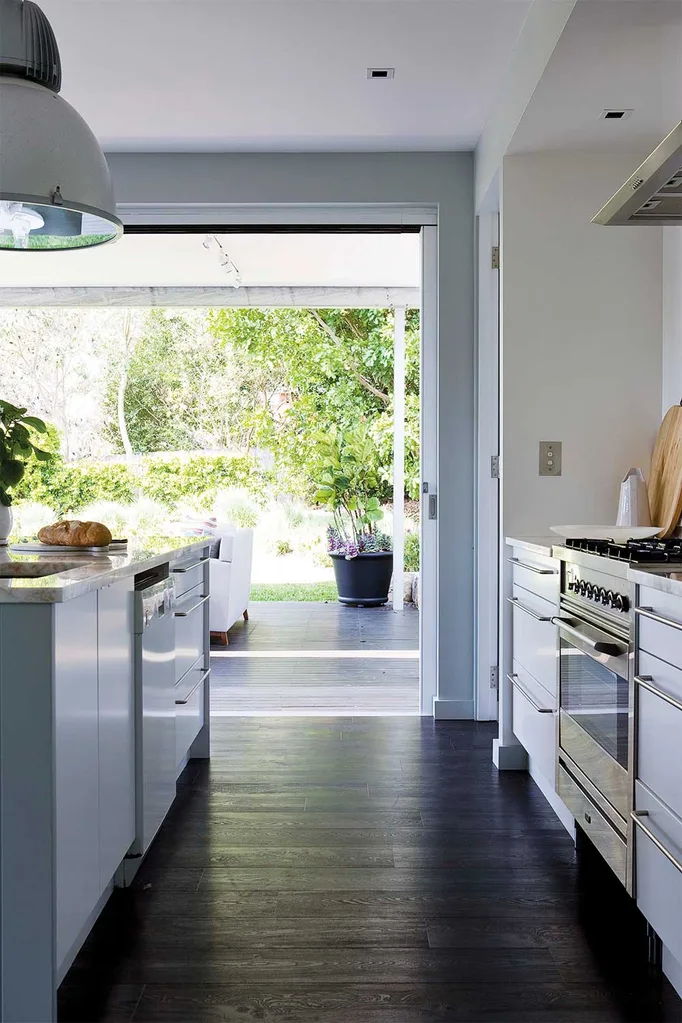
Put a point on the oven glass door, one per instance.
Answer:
(596, 697)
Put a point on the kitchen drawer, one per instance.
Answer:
(658, 881)
(593, 822)
(534, 644)
(659, 730)
(661, 638)
(189, 710)
(534, 721)
(189, 631)
(537, 574)
(187, 575)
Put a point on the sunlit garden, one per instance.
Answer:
(162, 420)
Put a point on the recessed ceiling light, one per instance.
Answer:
(615, 115)
(381, 73)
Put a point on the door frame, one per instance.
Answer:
(486, 650)
(283, 217)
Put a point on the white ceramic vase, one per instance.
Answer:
(6, 520)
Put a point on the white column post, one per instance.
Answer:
(398, 457)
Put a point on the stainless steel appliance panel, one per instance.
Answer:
(596, 826)
(603, 771)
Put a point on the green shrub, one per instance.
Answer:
(411, 552)
(283, 547)
(170, 480)
(68, 487)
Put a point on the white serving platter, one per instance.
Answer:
(116, 546)
(619, 534)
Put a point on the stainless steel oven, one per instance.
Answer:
(594, 707)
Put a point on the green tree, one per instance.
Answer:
(311, 370)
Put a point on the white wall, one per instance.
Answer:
(672, 317)
(581, 339)
(445, 179)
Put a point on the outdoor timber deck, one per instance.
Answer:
(318, 658)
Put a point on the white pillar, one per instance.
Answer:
(398, 458)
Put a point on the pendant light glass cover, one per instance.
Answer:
(55, 186)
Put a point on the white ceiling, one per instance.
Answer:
(263, 260)
(623, 54)
(219, 75)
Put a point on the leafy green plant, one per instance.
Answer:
(348, 484)
(283, 547)
(16, 447)
(411, 552)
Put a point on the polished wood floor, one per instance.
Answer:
(318, 658)
(363, 870)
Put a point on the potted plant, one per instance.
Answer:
(348, 484)
(16, 447)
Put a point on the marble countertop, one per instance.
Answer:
(85, 572)
(667, 578)
(536, 544)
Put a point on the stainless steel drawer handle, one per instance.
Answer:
(594, 644)
(645, 681)
(533, 568)
(514, 679)
(190, 694)
(636, 816)
(183, 614)
(190, 568)
(648, 612)
(522, 607)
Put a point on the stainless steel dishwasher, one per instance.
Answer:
(154, 704)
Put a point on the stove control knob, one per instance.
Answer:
(608, 598)
(591, 591)
(603, 595)
(621, 602)
(571, 584)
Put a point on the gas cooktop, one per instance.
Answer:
(634, 551)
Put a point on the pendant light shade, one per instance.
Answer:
(55, 186)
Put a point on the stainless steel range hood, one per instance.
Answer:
(653, 194)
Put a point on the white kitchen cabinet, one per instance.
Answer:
(534, 716)
(535, 637)
(76, 767)
(659, 624)
(116, 727)
(190, 613)
(534, 676)
(536, 573)
(658, 876)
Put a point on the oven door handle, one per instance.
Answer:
(599, 647)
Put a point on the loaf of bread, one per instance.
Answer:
(72, 533)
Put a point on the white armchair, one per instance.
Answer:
(230, 576)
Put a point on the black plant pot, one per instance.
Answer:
(363, 581)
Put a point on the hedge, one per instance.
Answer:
(67, 487)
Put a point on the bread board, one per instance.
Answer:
(115, 547)
(665, 478)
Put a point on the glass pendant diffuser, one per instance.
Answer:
(55, 186)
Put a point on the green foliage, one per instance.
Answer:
(411, 552)
(347, 480)
(170, 480)
(17, 447)
(283, 547)
(294, 591)
(172, 374)
(236, 505)
(331, 367)
(70, 487)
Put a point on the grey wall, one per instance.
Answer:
(445, 179)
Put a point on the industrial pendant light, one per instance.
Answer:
(55, 187)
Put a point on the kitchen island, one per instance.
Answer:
(70, 742)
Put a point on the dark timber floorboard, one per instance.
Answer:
(248, 676)
(363, 870)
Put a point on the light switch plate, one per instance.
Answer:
(550, 458)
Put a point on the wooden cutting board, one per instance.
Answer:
(665, 478)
